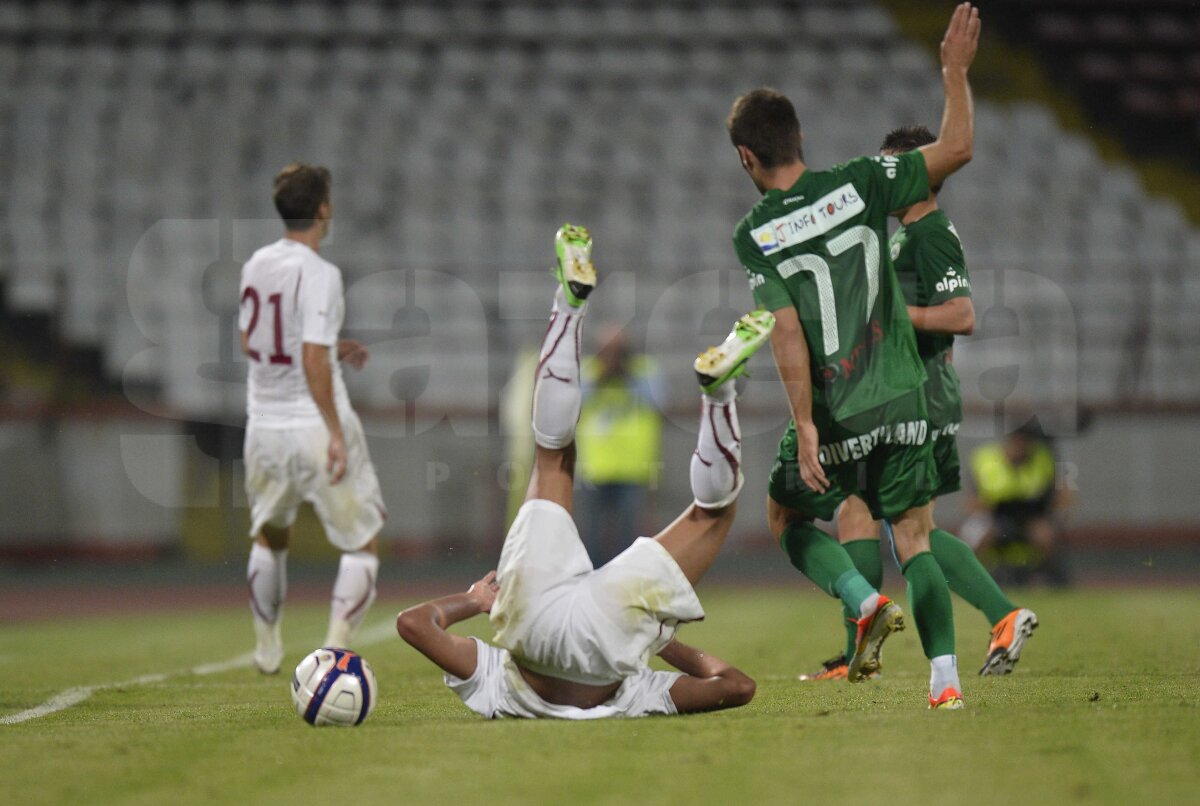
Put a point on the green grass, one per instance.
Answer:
(1102, 709)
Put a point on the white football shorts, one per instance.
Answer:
(286, 467)
(559, 617)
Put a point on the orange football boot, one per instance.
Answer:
(949, 700)
(832, 669)
(873, 630)
(1008, 638)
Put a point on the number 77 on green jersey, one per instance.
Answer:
(815, 247)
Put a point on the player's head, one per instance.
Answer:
(302, 197)
(905, 139)
(766, 133)
(614, 352)
(1019, 444)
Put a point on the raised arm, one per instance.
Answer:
(953, 148)
(791, 357)
(955, 317)
(424, 626)
(710, 685)
(319, 374)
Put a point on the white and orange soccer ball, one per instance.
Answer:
(334, 687)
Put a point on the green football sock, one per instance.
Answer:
(864, 553)
(929, 599)
(967, 577)
(823, 560)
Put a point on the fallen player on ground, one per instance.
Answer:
(573, 641)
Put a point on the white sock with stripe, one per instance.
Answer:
(716, 463)
(266, 577)
(353, 593)
(556, 392)
(266, 574)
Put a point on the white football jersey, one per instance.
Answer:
(497, 690)
(289, 295)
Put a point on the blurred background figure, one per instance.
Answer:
(1018, 508)
(516, 401)
(620, 444)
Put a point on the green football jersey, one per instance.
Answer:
(932, 269)
(819, 247)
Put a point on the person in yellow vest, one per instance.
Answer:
(516, 401)
(1018, 504)
(619, 440)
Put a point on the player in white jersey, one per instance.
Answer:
(574, 641)
(303, 440)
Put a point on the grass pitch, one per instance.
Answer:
(1103, 708)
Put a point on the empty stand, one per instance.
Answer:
(139, 141)
(1132, 60)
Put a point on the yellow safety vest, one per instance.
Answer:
(998, 480)
(619, 436)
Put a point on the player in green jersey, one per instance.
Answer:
(847, 354)
(932, 270)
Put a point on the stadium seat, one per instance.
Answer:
(214, 18)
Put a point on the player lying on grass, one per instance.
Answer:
(574, 641)
(932, 270)
(847, 354)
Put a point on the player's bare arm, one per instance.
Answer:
(319, 374)
(711, 683)
(353, 352)
(424, 626)
(955, 317)
(953, 148)
(245, 337)
(790, 347)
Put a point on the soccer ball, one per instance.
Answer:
(334, 687)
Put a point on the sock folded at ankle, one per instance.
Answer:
(864, 553)
(823, 560)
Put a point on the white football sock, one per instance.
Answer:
(943, 674)
(556, 392)
(266, 573)
(868, 605)
(353, 593)
(716, 463)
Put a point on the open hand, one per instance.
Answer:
(962, 38)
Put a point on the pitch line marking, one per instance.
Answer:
(59, 702)
(236, 662)
(69, 698)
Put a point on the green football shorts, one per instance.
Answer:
(884, 456)
(945, 456)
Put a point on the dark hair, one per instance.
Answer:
(300, 189)
(908, 138)
(764, 121)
